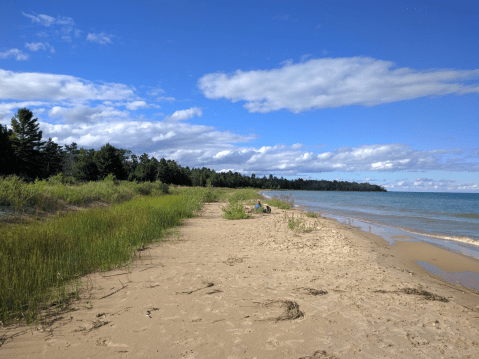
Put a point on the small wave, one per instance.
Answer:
(466, 240)
(467, 215)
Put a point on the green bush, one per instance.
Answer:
(235, 210)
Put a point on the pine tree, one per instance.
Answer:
(52, 159)
(7, 154)
(26, 142)
(108, 160)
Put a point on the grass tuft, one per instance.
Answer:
(235, 210)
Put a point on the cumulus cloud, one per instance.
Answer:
(186, 114)
(422, 184)
(41, 86)
(16, 53)
(41, 19)
(35, 46)
(47, 20)
(102, 38)
(135, 105)
(322, 83)
(86, 114)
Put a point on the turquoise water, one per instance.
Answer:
(448, 220)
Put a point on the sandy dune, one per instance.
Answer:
(255, 289)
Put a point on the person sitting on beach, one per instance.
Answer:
(258, 206)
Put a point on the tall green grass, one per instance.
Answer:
(284, 202)
(54, 193)
(42, 263)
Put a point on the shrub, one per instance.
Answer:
(235, 210)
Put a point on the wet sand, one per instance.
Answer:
(254, 289)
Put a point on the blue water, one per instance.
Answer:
(448, 220)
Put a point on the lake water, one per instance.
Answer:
(448, 220)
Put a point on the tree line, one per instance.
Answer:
(25, 154)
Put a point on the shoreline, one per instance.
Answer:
(442, 268)
(252, 288)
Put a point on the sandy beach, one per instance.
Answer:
(253, 288)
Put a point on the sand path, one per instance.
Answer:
(254, 289)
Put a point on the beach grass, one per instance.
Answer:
(298, 224)
(283, 202)
(57, 192)
(42, 262)
(235, 210)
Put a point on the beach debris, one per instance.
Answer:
(214, 291)
(208, 285)
(233, 260)
(427, 295)
(98, 324)
(116, 291)
(292, 309)
(310, 291)
(95, 325)
(148, 312)
(320, 354)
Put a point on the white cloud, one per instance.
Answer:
(101, 38)
(35, 46)
(432, 185)
(135, 105)
(322, 83)
(40, 86)
(166, 99)
(86, 114)
(186, 114)
(64, 20)
(41, 19)
(18, 54)
(47, 20)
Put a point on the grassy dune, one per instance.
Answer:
(42, 261)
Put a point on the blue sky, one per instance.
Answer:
(377, 91)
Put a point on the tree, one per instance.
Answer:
(164, 173)
(86, 168)
(108, 160)
(26, 141)
(52, 158)
(70, 158)
(7, 154)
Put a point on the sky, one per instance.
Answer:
(368, 91)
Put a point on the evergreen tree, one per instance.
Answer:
(69, 160)
(163, 173)
(108, 161)
(7, 154)
(52, 158)
(86, 168)
(26, 141)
